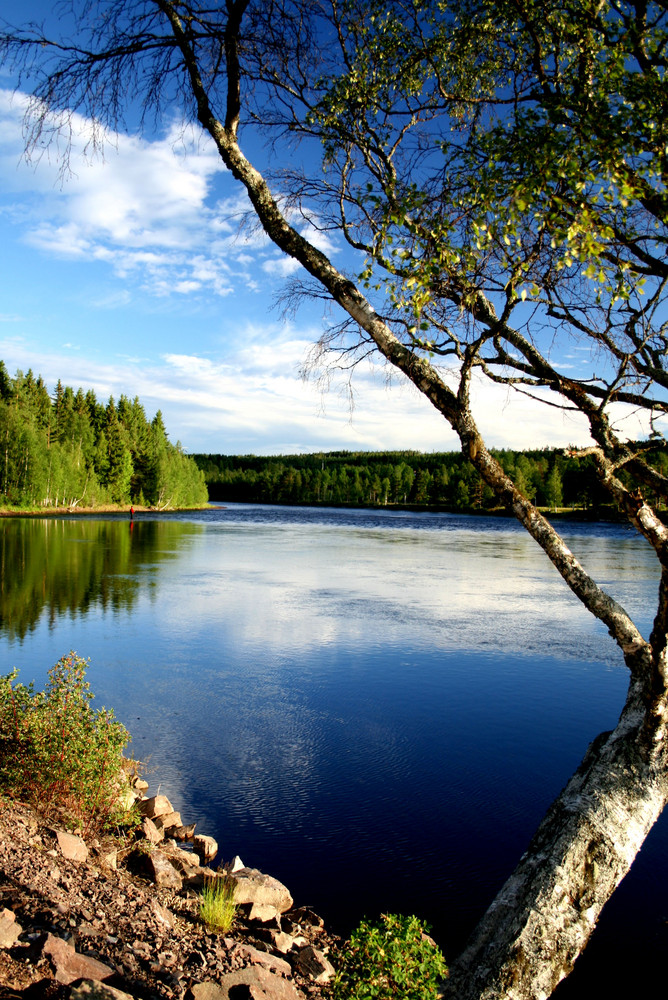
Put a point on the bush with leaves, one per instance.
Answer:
(57, 752)
(390, 959)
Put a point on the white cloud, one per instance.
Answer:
(252, 400)
(149, 208)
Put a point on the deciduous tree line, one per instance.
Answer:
(71, 451)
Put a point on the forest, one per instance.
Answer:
(69, 450)
(551, 478)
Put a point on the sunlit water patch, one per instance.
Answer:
(376, 707)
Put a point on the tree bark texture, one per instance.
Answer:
(542, 918)
(544, 915)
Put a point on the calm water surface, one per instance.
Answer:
(375, 707)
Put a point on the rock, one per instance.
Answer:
(10, 929)
(139, 784)
(303, 916)
(159, 805)
(313, 963)
(162, 915)
(127, 798)
(254, 983)
(281, 941)
(90, 990)
(167, 820)
(266, 895)
(207, 991)
(183, 832)
(185, 862)
(235, 865)
(151, 832)
(162, 871)
(206, 847)
(69, 965)
(71, 847)
(263, 958)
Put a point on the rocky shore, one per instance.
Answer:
(111, 919)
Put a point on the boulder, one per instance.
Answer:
(263, 958)
(71, 847)
(127, 798)
(150, 831)
(69, 965)
(165, 821)
(162, 871)
(206, 847)
(266, 896)
(254, 983)
(90, 990)
(183, 832)
(311, 962)
(10, 929)
(159, 805)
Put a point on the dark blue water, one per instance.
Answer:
(375, 707)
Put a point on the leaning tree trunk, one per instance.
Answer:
(542, 918)
(530, 937)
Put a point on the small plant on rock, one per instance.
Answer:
(57, 752)
(217, 907)
(390, 959)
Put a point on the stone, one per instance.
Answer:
(163, 916)
(185, 862)
(10, 929)
(281, 941)
(150, 831)
(304, 916)
(71, 847)
(263, 958)
(183, 832)
(139, 784)
(159, 805)
(167, 820)
(162, 871)
(90, 990)
(254, 983)
(266, 896)
(69, 965)
(313, 963)
(205, 846)
(127, 798)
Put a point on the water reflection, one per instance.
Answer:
(57, 567)
(394, 698)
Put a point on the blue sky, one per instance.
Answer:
(130, 275)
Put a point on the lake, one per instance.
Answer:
(376, 707)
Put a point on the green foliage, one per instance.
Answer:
(548, 476)
(392, 958)
(59, 753)
(217, 907)
(74, 452)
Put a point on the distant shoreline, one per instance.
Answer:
(560, 514)
(90, 511)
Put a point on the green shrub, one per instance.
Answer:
(390, 959)
(57, 752)
(217, 907)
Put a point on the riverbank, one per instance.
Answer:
(77, 918)
(91, 511)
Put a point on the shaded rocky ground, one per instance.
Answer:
(80, 920)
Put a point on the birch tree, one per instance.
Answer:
(498, 172)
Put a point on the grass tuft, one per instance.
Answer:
(217, 907)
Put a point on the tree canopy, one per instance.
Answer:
(71, 451)
(498, 172)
